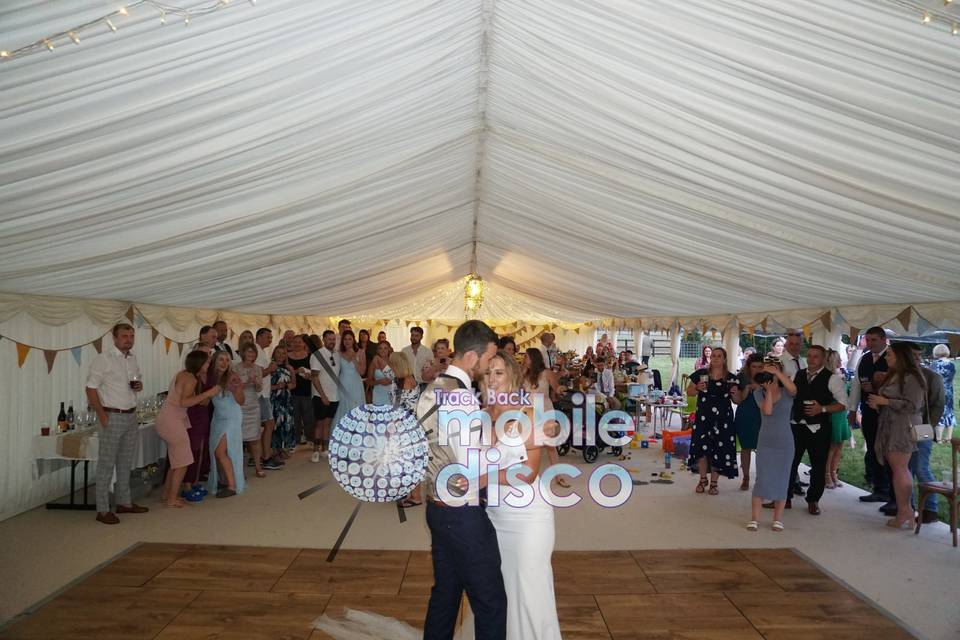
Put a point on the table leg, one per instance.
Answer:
(72, 505)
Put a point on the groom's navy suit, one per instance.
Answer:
(466, 556)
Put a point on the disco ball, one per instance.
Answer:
(378, 453)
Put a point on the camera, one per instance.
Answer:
(763, 377)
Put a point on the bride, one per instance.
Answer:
(525, 535)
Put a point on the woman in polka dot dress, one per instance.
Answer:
(713, 446)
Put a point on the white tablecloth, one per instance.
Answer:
(49, 455)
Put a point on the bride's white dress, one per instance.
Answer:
(526, 536)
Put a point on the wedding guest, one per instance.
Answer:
(899, 401)
(246, 337)
(713, 443)
(222, 334)
(508, 344)
(298, 357)
(944, 366)
(646, 348)
(207, 340)
(747, 420)
(342, 327)
(172, 423)
(775, 451)
(251, 377)
(441, 355)
(226, 430)
(287, 337)
(283, 380)
(840, 431)
(602, 344)
(820, 392)
(933, 408)
(381, 337)
(199, 416)
(420, 356)
(549, 349)
(745, 354)
(605, 385)
(405, 393)
(325, 372)
(589, 370)
(315, 342)
(365, 344)
(382, 375)
(871, 371)
(703, 361)
(791, 359)
(776, 350)
(353, 364)
(630, 366)
(113, 381)
(262, 341)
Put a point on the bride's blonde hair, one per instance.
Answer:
(514, 373)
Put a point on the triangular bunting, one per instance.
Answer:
(924, 326)
(827, 320)
(385, 322)
(763, 325)
(166, 344)
(954, 340)
(22, 351)
(51, 356)
(139, 320)
(854, 334)
(98, 344)
(77, 354)
(429, 323)
(904, 317)
(130, 313)
(807, 332)
(180, 347)
(153, 334)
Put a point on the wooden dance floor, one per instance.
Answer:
(169, 592)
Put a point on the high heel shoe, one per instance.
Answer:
(909, 523)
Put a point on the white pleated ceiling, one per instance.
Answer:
(627, 158)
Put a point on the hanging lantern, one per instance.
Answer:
(473, 295)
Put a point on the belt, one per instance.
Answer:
(112, 410)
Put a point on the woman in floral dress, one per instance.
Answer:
(713, 446)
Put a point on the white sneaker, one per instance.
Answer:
(315, 457)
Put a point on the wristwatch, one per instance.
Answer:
(823, 409)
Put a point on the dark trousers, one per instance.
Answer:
(465, 558)
(817, 445)
(645, 359)
(877, 475)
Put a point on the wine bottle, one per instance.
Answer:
(62, 419)
(71, 418)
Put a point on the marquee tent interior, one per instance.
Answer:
(728, 163)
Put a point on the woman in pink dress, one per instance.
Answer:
(173, 423)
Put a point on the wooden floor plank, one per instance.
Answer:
(247, 616)
(353, 571)
(580, 618)
(702, 571)
(418, 578)
(223, 568)
(139, 566)
(790, 570)
(698, 616)
(103, 613)
(597, 572)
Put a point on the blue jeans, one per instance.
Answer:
(466, 557)
(920, 468)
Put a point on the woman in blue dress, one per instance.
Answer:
(282, 381)
(775, 446)
(226, 435)
(713, 445)
(382, 376)
(947, 370)
(353, 361)
(746, 422)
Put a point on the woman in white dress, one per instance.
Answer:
(525, 532)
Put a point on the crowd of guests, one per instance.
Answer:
(785, 404)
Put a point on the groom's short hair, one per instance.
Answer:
(473, 335)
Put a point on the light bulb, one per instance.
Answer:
(74, 37)
(49, 44)
(112, 26)
(953, 29)
(123, 11)
(4, 54)
(163, 17)
(926, 17)
(186, 20)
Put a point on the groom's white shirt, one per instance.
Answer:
(472, 496)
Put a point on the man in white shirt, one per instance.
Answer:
(605, 385)
(820, 393)
(549, 350)
(325, 368)
(113, 381)
(420, 356)
(222, 335)
(790, 359)
(262, 341)
(466, 556)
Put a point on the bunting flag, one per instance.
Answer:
(180, 347)
(166, 343)
(153, 333)
(751, 330)
(577, 331)
(77, 351)
(807, 332)
(954, 339)
(22, 351)
(130, 313)
(139, 320)
(385, 323)
(904, 317)
(827, 320)
(98, 344)
(429, 323)
(763, 325)
(924, 326)
(854, 334)
(51, 356)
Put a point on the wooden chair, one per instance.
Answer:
(951, 493)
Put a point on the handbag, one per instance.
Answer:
(924, 432)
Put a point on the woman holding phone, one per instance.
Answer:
(713, 445)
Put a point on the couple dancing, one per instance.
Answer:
(499, 556)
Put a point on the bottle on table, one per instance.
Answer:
(71, 418)
(62, 424)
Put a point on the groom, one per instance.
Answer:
(466, 556)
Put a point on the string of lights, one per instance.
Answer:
(930, 13)
(165, 11)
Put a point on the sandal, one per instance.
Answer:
(714, 490)
(753, 525)
(260, 473)
(563, 483)
(745, 485)
(407, 503)
(702, 485)
(777, 526)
